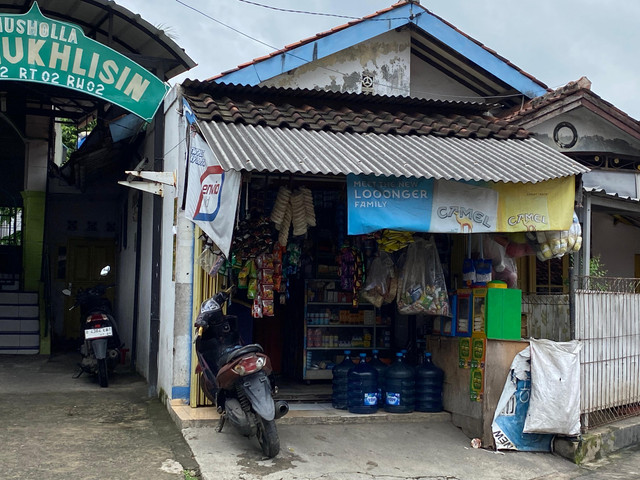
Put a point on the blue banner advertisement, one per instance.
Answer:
(378, 202)
(447, 206)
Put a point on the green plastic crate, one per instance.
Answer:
(503, 313)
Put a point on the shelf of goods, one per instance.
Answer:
(333, 324)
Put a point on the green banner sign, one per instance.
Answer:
(34, 48)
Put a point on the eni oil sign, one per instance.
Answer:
(34, 48)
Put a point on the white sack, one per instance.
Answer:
(555, 388)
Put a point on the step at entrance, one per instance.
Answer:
(19, 323)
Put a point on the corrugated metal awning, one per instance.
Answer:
(613, 202)
(257, 148)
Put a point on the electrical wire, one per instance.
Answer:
(304, 12)
(298, 11)
(391, 87)
(225, 25)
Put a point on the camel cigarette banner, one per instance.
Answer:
(212, 194)
(375, 202)
(445, 206)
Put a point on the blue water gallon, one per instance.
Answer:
(381, 367)
(399, 387)
(362, 387)
(339, 382)
(429, 380)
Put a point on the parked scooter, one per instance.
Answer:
(101, 347)
(237, 378)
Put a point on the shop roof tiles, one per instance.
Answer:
(330, 112)
(572, 95)
(269, 129)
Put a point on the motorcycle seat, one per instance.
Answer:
(239, 352)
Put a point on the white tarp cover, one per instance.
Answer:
(509, 417)
(555, 388)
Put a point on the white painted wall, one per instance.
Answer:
(616, 244)
(429, 82)
(174, 357)
(594, 134)
(385, 57)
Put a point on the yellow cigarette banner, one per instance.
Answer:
(535, 206)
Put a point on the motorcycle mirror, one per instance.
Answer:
(66, 292)
(105, 271)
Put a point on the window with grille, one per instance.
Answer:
(11, 226)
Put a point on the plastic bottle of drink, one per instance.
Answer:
(399, 387)
(363, 387)
(339, 382)
(429, 380)
(381, 367)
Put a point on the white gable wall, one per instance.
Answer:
(386, 58)
(594, 133)
(429, 82)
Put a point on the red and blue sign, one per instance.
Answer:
(208, 205)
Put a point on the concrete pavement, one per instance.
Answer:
(318, 442)
(56, 427)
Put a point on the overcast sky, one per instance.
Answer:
(556, 41)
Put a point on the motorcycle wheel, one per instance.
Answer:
(268, 437)
(103, 378)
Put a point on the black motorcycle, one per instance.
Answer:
(237, 378)
(101, 347)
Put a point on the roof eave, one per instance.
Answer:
(282, 61)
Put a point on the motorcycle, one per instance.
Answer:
(101, 347)
(238, 378)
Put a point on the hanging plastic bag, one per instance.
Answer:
(504, 267)
(211, 261)
(378, 284)
(421, 285)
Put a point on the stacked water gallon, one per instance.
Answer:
(399, 386)
(362, 387)
(339, 382)
(381, 368)
(429, 380)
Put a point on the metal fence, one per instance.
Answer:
(546, 316)
(607, 322)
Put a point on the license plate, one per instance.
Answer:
(90, 333)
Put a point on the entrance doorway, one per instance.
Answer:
(85, 259)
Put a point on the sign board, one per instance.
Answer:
(446, 206)
(212, 194)
(34, 48)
